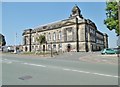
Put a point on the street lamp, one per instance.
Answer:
(91, 47)
(51, 50)
(46, 45)
(15, 47)
(36, 41)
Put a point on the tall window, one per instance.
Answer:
(60, 35)
(49, 37)
(33, 39)
(54, 36)
(69, 34)
(24, 40)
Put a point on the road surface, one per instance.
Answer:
(35, 70)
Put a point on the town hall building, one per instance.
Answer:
(72, 34)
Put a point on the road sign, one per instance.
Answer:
(118, 41)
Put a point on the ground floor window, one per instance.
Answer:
(60, 46)
(49, 47)
(54, 47)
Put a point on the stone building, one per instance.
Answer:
(2, 40)
(72, 34)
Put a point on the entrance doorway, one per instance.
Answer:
(25, 48)
(43, 47)
(69, 47)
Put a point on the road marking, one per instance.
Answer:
(81, 71)
(104, 60)
(106, 75)
(6, 61)
(10, 60)
(67, 69)
(100, 74)
(33, 64)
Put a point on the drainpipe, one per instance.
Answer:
(30, 39)
(77, 44)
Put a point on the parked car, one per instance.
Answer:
(109, 51)
(117, 49)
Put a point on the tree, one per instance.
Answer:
(41, 39)
(2, 40)
(111, 21)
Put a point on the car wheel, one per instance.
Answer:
(102, 53)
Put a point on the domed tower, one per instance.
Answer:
(76, 12)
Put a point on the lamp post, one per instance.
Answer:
(91, 48)
(15, 48)
(46, 45)
(36, 42)
(51, 50)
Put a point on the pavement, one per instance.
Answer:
(93, 57)
(67, 69)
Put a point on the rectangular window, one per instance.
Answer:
(54, 47)
(33, 39)
(60, 35)
(49, 37)
(54, 36)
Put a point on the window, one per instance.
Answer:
(54, 47)
(60, 45)
(54, 36)
(49, 47)
(69, 34)
(60, 35)
(49, 37)
(33, 39)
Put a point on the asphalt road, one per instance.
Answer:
(60, 70)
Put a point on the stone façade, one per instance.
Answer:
(72, 34)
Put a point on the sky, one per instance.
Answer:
(18, 16)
